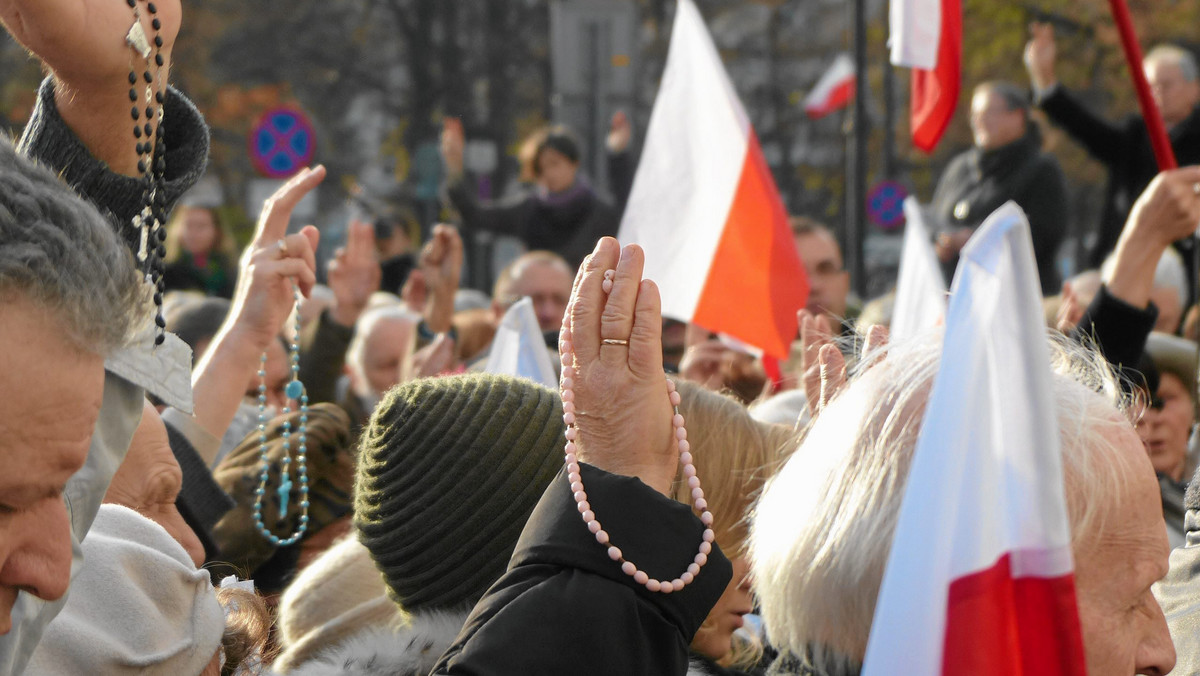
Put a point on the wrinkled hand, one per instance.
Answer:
(354, 274)
(623, 413)
(83, 41)
(620, 133)
(264, 299)
(1168, 209)
(453, 144)
(815, 334)
(441, 266)
(1040, 54)
(830, 375)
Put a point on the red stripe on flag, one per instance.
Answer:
(756, 282)
(999, 626)
(935, 93)
(838, 98)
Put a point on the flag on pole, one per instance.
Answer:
(926, 35)
(705, 208)
(519, 348)
(980, 576)
(920, 287)
(835, 89)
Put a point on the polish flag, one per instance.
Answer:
(980, 576)
(835, 89)
(705, 208)
(926, 35)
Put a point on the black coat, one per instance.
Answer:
(1124, 148)
(569, 224)
(977, 182)
(564, 607)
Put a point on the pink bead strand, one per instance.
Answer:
(575, 478)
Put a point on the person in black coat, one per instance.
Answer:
(563, 214)
(1007, 163)
(1123, 146)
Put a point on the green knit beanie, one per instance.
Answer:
(449, 470)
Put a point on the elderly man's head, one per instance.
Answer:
(1170, 291)
(1174, 82)
(999, 114)
(380, 356)
(68, 295)
(828, 280)
(544, 277)
(824, 527)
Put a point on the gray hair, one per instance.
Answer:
(1014, 97)
(59, 253)
(356, 353)
(1178, 56)
(823, 528)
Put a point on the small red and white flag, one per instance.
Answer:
(705, 207)
(926, 35)
(980, 576)
(835, 89)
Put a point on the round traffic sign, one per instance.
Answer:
(885, 204)
(282, 142)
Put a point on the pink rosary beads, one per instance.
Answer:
(685, 458)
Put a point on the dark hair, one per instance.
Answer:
(559, 139)
(197, 321)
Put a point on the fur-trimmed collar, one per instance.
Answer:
(412, 650)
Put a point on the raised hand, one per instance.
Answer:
(441, 266)
(453, 144)
(620, 133)
(354, 274)
(815, 334)
(705, 363)
(273, 260)
(620, 392)
(82, 42)
(1040, 54)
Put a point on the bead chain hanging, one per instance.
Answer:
(294, 392)
(685, 458)
(149, 224)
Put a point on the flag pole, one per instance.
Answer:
(1150, 113)
(857, 189)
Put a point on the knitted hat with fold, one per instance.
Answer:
(449, 470)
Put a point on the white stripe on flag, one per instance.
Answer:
(915, 31)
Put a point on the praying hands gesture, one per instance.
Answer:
(441, 265)
(82, 42)
(619, 391)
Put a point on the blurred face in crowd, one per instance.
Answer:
(1174, 94)
(386, 355)
(50, 395)
(556, 172)
(828, 281)
(199, 235)
(278, 375)
(714, 639)
(1124, 630)
(548, 285)
(1167, 429)
(149, 480)
(993, 124)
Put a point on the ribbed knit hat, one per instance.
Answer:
(449, 470)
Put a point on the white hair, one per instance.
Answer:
(823, 528)
(1177, 56)
(1169, 273)
(356, 353)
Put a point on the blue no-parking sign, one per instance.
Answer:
(885, 205)
(282, 142)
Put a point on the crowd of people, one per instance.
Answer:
(309, 479)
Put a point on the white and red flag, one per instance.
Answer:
(920, 288)
(980, 576)
(835, 89)
(705, 208)
(926, 35)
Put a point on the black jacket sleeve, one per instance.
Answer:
(502, 217)
(1117, 329)
(564, 607)
(622, 167)
(323, 346)
(1104, 140)
(1044, 200)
